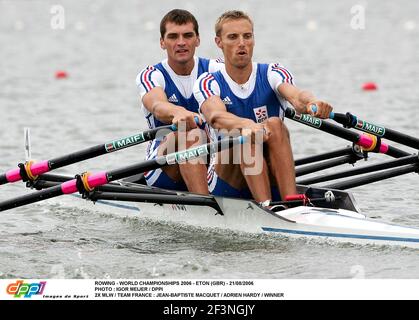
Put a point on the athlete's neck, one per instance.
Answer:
(239, 75)
(182, 69)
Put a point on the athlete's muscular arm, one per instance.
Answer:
(302, 100)
(156, 102)
(218, 117)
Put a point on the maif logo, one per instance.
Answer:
(27, 290)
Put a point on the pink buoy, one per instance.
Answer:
(61, 74)
(369, 86)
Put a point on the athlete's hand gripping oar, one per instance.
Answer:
(87, 183)
(349, 120)
(30, 170)
(367, 142)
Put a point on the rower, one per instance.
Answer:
(166, 96)
(251, 98)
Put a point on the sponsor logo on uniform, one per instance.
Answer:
(227, 101)
(261, 114)
(173, 98)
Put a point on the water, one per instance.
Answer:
(103, 46)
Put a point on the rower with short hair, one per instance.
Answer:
(252, 97)
(166, 91)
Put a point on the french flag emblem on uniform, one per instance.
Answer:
(261, 114)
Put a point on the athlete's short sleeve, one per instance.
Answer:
(149, 78)
(278, 74)
(215, 65)
(205, 86)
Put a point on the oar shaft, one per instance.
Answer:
(64, 188)
(362, 170)
(326, 156)
(351, 121)
(360, 181)
(359, 139)
(172, 158)
(384, 132)
(31, 198)
(42, 183)
(402, 138)
(301, 171)
(88, 153)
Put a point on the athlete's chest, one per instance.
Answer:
(259, 105)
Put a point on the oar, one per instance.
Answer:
(35, 169)
(369, 143)
(412, 159)
(379, 176)
(354, 150)
(87, 183)
(327, 164)
(351, 121)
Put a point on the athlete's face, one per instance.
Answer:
(180, 42)
(237, 42)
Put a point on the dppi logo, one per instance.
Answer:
(27, 290)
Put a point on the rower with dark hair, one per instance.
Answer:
(166, 91)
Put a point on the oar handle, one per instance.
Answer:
(314, 109)
(347, 120)
(173, 127)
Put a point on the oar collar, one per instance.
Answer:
(26, 172)
(82, 184)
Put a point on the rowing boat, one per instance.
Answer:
(336, 218)
(321, 223)
(331, 214)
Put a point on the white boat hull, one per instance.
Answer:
(246, 216)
